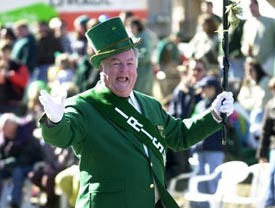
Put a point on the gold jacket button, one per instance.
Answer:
(151, 164)
(152, 185)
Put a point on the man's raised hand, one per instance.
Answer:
(54, 106)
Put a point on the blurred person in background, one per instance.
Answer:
(252, 92)
(25, 48)
(145, 78)
(206, 8)
(42, 175)
(78, 39)
(86, 76)
(19, 151)
(59, 28)
(181, 106)
(62, 70)
(253, 96)
(48, 46)
(166, 58)
(7, 33)
(125, 16)
(210, 151)
(33, 109)
(258, 40)
(266, 149)
(198, 68)
(14, 77)
(185, 96)
(205, 43)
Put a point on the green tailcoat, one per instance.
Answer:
(114, 168)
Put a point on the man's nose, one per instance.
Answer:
(123, 66)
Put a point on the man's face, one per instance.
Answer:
(253, 6)
(119, 73)
(9, 129)
(21, 31)
(208, 92)
(198, 70)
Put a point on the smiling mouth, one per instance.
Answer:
(123, 79)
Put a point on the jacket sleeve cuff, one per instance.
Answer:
(44, 119)
(215, 115)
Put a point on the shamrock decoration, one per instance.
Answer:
(235, 12)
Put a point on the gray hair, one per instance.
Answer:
(5, 117)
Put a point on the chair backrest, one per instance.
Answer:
(258, 188)
(229, 173)
(232, 173)
(194, 163)
(260, 180)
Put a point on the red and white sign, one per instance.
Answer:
(70, 9)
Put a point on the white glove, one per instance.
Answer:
(223, 103)
(54, 106)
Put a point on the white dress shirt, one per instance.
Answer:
(133, 101)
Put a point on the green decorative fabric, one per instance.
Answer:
(110, 106)
(31, 13)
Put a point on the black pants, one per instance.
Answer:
(158, 204)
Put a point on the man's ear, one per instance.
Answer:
(100, 68)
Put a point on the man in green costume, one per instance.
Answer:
(120, 135)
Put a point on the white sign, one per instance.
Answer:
(98, 5)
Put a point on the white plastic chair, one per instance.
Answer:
(231, 173)
(178, 194)
(258, 188)
(173, 182)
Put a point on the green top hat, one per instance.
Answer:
(109, 38)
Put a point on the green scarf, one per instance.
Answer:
(122, 113)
